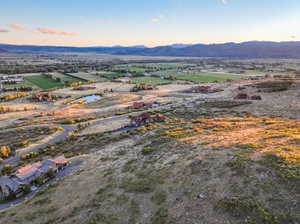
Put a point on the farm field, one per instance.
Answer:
(65, 78)
(204, 77)
(89, 76)
(168, 66)
(142, 68)
(150, 81)
(128, 68)
(44, 82)
(254, 72)
(112, 75)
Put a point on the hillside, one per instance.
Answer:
(218, 161)
(254, 49)
(107, 50)
(230, 50)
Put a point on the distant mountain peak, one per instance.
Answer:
(180, 45)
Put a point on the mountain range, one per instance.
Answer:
(252, 49)
(2, 50)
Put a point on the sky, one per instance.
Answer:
(147, 22)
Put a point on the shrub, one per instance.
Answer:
(247, 207)
(7, 170)
(39, 181)
(5, 151)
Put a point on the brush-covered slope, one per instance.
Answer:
(206, 164)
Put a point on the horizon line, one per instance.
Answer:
(147, 46)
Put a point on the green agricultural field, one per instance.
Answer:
(132, 69)
(44, 82)
(65, 78)
(168, 66)
(136, 70)
(204, 77)
(150, 81)
(151, 67)
(112, 75)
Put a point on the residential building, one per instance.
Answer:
(10, 187)
(14, 185)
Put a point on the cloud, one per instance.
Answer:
(224, 2)
(157, 19)
(55, 32)
(4, 31)
(17, 27)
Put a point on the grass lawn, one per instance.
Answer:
(44, 82)
(150, 81)
(205, 77)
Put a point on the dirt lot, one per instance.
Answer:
(101, 128)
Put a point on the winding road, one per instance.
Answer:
(61, 174)
(62, 136)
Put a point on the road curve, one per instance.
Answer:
(63, 135)
(68, 170)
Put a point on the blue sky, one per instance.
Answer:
(151, 22)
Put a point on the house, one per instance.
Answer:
(12, 79)
(244, 96)
(15, 185)
(48, 97)
(28, 174)
(47, 165)
(140, 119)
(61, 162)
(147, 118)
(158, 118)
(138, 105)
(10, 186)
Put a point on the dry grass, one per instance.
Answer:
(261, 134)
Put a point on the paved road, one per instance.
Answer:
(62, 136)
(14, 160)
(68, 170)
